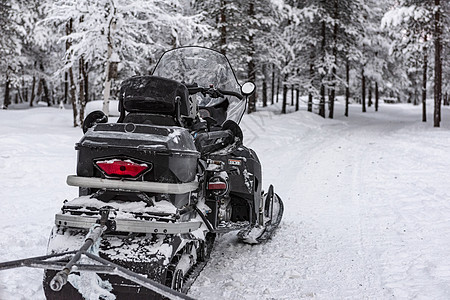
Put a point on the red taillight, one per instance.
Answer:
(217, 185)
(121, 168)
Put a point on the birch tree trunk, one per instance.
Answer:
(107, 90)
(81, 91)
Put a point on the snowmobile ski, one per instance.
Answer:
(273, 213)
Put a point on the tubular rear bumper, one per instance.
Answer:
(139, 186)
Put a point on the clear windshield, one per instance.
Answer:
(204, 67)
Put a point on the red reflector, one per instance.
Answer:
(217, 186)
(121, 168)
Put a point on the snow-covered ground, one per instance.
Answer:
(367, 210)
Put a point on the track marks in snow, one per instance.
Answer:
(365, 216)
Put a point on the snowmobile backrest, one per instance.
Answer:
(154, 95)
(151, 119)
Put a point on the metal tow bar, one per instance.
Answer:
(106, 267)
(96, 231)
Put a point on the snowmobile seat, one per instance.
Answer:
(154, 96)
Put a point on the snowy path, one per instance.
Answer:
(367, 214)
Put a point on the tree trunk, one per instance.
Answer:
(347, 88)
(24, 93)
(46, 93)
(322, 77)
(66, 86)
(72, 88)
(66, 74)
(33, 87)
(251, 67)
(415, 97)
(73, 97)
(363, 90)
(285, 91)
(331, 103)
(310, 102)
(44, 87)
(264, 86)
(278, 87)
(377, 96)
(333, 69)
(252, 78)
(424, 85)
(369, 104)
(437, 65)
(273, 85)
(6, 99)
(19, 96)
(297, 99)
(310, 95)
(223, 27)
(81, 91)
(292, 95)
(86, 82)
(109, 37)
(322, 101)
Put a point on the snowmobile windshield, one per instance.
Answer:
(204, 67)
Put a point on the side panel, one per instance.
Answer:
(245, 177)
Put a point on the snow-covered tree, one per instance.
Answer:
(105, 32)
(10, 45)
(320, 37)
(418, 28)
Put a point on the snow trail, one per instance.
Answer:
(359, 220)
(367, 214)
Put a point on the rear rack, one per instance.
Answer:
(128, 225)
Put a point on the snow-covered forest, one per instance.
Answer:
(308, 51)
(349, 93)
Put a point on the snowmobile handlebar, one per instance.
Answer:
(212, 92)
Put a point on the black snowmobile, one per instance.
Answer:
(156, 187)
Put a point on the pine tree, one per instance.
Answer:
(422, 29)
